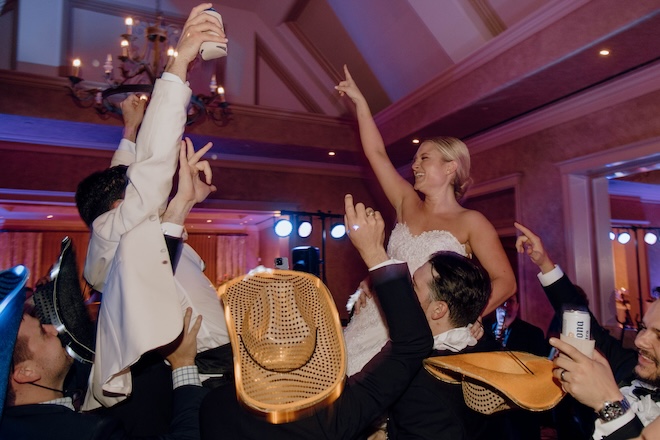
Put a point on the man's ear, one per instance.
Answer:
(439, 309)
(25, 373)
(116, 203)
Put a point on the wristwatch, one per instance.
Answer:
(613, 410)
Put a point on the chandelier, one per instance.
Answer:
(140, 64)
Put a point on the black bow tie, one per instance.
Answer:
(641, 392)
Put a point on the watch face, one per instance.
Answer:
(613, 410)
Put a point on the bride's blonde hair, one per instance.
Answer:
(453, 149)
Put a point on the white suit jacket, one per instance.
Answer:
(140, 310)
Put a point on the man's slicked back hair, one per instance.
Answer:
(98, 191)
(463, 285)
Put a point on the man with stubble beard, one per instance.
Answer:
(622, 411)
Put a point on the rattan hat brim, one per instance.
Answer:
(500, 373)
(316, 377)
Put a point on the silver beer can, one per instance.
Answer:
(576, 324)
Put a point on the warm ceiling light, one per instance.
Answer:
(415, 141)
(650, 238)
(208, 221)
(604, 52)
(331, 153)
(50, 216)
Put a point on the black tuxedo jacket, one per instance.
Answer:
(433, 409)
(364, 398)
(527, 337)
(56, 422)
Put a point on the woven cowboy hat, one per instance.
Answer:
(287, 343)
(60, 302)
(499, 380)
(12, 298)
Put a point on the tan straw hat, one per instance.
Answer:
(286, 337)
(499, 380)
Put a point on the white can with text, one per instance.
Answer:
(576, 324)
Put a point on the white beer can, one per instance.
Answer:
(576, 324)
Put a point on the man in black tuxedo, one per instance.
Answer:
(455, 295)
(37, 408)
(622, 411)
(363, 399)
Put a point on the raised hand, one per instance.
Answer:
(132, 109)
(191, 187)
(530, 244)
(366, 230)
(198, 28)
(183, 350)
(349, 88)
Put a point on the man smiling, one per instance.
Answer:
(622, 412)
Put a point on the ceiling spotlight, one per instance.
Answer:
(650, 238)
(304, 229)
(624, 238)
(612, 236)
(415, 141)
(604, 52)
(337, 230)
(283, 228)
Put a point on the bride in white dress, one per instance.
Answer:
(426, 224)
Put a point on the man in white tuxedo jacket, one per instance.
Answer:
(128, 260)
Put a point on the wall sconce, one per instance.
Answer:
(651, 238)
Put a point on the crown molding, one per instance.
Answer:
(622, 89)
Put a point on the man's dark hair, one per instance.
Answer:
(463, 285)
(98, 191)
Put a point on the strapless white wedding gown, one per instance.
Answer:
(366, 333)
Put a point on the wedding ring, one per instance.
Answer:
(356, 227)
(561, 376)
(370, 212)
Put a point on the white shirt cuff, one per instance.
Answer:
(550, 277)
(603, 429)
(172, 229)
(385, 263)
(126, 145)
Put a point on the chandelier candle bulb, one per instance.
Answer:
(76, 67)
(210, 50)
(129, 26)
(124, 48)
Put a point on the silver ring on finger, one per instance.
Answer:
(561, 376)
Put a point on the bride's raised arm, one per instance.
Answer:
(394, 186)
